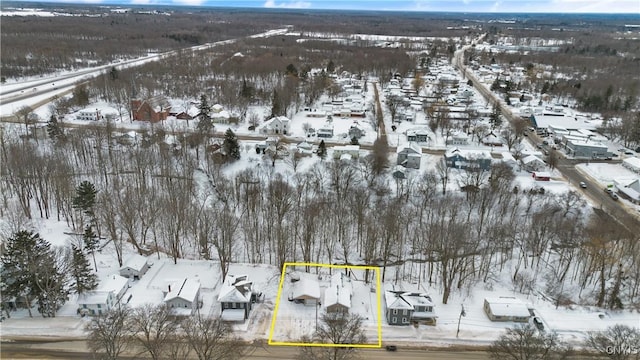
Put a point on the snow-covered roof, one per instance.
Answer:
(468, 154)
(347, 148)
(235, 289)
(542, 174)
(507, 157)
(306, 288)
(113, 283)
(186, 289)
(339, 292)
(418, 131)
(394, 300)
(530, 159)
(411, 146)
(93, 297)
(135, 262)
(632, 162)
(508, 306)
(418, 299)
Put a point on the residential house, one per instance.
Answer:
(183, 297)
(356, 131)
(406, 307)
(352, 150)
(275, 126)
(337, 297)
(458, 138)
(326, 131)
(89, 115)
(410, 156)
(632, 163)
(399, 173)
(306, 291)
(491, 140)
(418, 135)
(236, 298)
(468, 159)
(134, 267)
(506, 309)
(508, 159)
(152, 110)
(533, 163)
(104, 298)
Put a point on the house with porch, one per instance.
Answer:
(236, 298)
(532, 163)
(468, 159)
(418, 135)
(108, 295)
(403, 308)
(276, 126)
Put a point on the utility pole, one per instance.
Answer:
(462, 313)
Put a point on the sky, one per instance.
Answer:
(504, 6)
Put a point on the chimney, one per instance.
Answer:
(169, 287)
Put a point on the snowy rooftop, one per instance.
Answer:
(340, 291)
(567, 122)
(468, 153)
(394, 300)
(306, 288)
(112, 284)
(235, 289)
(186, 289)
(507, 306)
(135, 262)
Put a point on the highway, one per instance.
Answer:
(59, 84)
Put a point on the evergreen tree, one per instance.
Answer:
(291, 70)
(331, 67)
(84, 278)
(113, 74)
(354, 141)
(230, 145)
(276, 105)
(85, 198)
(496, 117)
(322, 149)
(91, 242)
(54, 129)
(51, 281)
(22, 258)
(247, 90)
(205, 125)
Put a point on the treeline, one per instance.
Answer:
(158, 198)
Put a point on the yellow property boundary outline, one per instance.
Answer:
(357, 267)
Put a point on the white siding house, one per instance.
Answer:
(104, 298)
(183, 297)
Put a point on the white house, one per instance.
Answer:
(183, 296)
(326, 131)
(134, 267)
(89, 115)
(506, 309)
(532, 163)
(236, 298)
(277, 125)
(352, 150)
(337, 297)
(306, 291)
(104, 298)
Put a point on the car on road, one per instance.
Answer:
(583, 184)
(608, 190)
(391, 348)
(614, 196)
(538, 323)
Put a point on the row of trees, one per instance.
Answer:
(617, 342)
(161, 199)
(152, 331)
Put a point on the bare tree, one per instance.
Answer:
(337, 329)
(109, 334)
(618, 342)
(525, 343)
(154, 329)
(212, 339)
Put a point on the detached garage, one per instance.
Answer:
(134, 267)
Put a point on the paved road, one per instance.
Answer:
(76, 349)
(616, 209)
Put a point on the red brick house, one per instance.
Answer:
(152, 110)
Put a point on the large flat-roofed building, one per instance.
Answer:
(579, 147)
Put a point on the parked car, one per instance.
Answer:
(538, 323)
(391, 348)
(614, 196)
(583, 184)
(608, 190)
